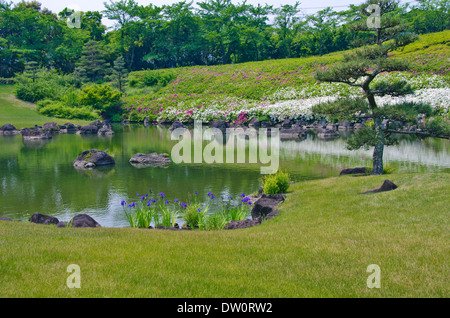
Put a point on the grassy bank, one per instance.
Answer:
(319, 246)
(22, 114)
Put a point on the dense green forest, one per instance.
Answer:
(212, 32)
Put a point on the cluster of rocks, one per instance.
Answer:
(93, 158)
(47, 130)
(80, 220)
(287, 129)
(264, 208)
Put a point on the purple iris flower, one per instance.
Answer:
(123, 203)
(162, 195)
(183, 205)
(167, 202)
(176, 200)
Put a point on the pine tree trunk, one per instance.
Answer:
(378, 159)
(379, 149)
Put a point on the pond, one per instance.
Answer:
(39, 176)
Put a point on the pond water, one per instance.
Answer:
(39, 176)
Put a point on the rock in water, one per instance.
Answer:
(93, 158)
(34, 134)
(154, 159)
(327, 133)
(176, 124)
(88, 130)
(9, 129)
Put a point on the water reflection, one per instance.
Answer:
(42, 179)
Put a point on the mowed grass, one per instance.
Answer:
(23, 114)
(319, 246)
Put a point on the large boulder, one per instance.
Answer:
(327, 133)
(50, 127)
(153, 159)
(93, 158)
(84, 220)
(219, 124)
(359, 170)
(88, 130)
(292, 133)
(43, 219)
(386, 186)
(34, 134)
(8, 129)
(254, 122)
(175, 125)
(105, 131)
(68, 128)
(266, 205)
(287, 123)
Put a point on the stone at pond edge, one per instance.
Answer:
(266, 204)
(93, 158)
(39, 218)
(6, 219)
(353, 171)
(51, 127)
(386, 186)
(233, 225)
(84, 220)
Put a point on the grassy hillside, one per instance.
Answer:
(209, 92)
(319, 246)
(22, 114)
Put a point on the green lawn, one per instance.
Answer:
(22, 114)
(319, 246)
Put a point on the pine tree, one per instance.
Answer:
(92, 65)
(119, 74)
(31, 70)
(359, 69)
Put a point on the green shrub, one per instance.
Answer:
(276, 183)
(102, 97)
(56, 109)
(33, 92)
(161, 78)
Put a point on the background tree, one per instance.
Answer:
(92, 65)
(119, 74)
